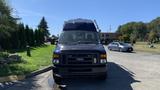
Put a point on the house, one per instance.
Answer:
(107, 37)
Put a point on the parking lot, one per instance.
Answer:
(126, 71)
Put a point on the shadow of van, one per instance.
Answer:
(119, 78)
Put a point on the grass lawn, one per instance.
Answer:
(40, 57)
(143, 47)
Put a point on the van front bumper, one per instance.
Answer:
(67, 71)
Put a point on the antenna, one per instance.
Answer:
(110, 28)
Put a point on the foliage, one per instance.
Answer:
(134, 31)
(44, 27)
(4, 54)
(41, 57)
(15, 35)
(134, 36)
(152, 36)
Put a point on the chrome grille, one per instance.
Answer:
(80, 58)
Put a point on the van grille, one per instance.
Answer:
(79, 58)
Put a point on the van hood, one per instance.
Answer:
(80, 47)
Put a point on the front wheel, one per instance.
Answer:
(110, 49)
(120, 50)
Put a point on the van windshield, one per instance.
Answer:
(79, 37)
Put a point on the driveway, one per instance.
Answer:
(126, 71)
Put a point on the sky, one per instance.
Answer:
(107, 13)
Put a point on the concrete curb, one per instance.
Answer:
(13, 78)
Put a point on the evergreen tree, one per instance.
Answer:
(41, 36)
(44, 27)
(32, 40)
(37, 40)
(22, 35)
(7, 25)
(27, 34)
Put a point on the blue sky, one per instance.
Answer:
(106, 12)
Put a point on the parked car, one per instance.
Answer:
(79, 51)
(120, 46)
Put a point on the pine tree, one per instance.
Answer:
(27, 34)
(44, 27)
(32, 37)
(36, 37)
(22, 35)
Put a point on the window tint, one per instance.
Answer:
(79, 26)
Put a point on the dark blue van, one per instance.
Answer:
(79, 51)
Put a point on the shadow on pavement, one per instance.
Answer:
(118, 79)
(39, 82)
(28, 84)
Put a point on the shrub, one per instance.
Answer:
(4, 54)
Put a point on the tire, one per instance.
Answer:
(120, 50)
(57, 79)
(110, 49)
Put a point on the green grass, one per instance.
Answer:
(40, 57)
(144, 47)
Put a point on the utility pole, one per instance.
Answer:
(110, 28)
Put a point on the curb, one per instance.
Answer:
(13, 78)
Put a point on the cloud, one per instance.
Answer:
(30, 13)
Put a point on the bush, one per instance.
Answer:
(4, 54)
(6, 58)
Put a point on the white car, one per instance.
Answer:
(120, 46)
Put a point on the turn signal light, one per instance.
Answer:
(55, 56)
(103, 56)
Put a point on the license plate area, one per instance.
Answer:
(79, 70)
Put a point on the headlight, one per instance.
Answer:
(56, 58)
(103, 58)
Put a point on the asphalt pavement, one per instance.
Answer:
(126, 71)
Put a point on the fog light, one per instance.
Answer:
(55, 61)
(103, 61)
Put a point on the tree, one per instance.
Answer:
(37, 40)
(127, 31)
(134, 36)
(27, 34)
(32, 39)
(152, 36)
(44, 27)
(22, 35)
(8, 25)
(41, 36)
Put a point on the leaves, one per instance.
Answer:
(140, 31)
(44, 27)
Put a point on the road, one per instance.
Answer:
(126, 71)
